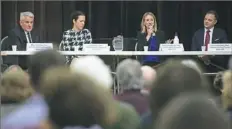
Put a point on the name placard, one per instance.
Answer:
(96, 47)
(220, 47)
(39, 46)
(171, 47)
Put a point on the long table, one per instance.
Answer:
(122, 53)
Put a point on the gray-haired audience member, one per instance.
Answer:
(192, 111)
(34, 110)
(149, 75)
(130, 79)
(95, 68)
(129, 75)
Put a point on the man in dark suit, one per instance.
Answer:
(207, 35)
(20, 36)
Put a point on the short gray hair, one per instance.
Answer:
(24, 14)
(129, 74)
(95, 68)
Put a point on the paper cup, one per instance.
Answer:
(76, 48)
(145, 48)
(202, 48)
(14, 47)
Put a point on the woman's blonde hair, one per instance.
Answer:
(227, 89)
(143, 29)
(15, 86)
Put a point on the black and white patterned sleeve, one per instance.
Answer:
(88, 37)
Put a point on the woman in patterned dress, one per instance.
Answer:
(77, 36)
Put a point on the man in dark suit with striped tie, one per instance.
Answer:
(20, 36)
(207, 35)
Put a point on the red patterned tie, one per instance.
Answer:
(207, 38)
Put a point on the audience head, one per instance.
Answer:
(148, 20)
(78, 20)
(210, 19)
(13, 68)
(217, 83)
(149, 75)
(41, 61)
(129, 74)
(95, 68)
(172, 79)
(15, 86)
(74, 99)
(26, 21)
(227, 89)
(192, 111)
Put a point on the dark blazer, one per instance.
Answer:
(17, 37)
(218, 36)
(142, 41)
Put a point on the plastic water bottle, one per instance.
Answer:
(176, 39)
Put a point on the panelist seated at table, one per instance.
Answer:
(207, 35)
(20, 36)
(77, 36)
(151, 37)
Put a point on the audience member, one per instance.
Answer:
(34, 110)
(131, 82)
(74, 99)
(194, 111)
(95, 68)
(218, 85)
(227, 91)
(149, 75)
(172, 79)
(15, 88)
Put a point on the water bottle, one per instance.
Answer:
(176, 39)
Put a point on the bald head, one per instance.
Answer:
(149, 75)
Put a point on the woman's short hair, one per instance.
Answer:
(143, 19)
(15, 86)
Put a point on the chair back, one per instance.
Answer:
(4, 39)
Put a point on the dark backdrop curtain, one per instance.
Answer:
(108, 19)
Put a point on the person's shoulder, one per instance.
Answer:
(160, 31)
(86, 31)
(198, 31)
(220, 30)
(67, 32)
(13, 31)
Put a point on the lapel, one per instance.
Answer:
(201, 38)
(214, 36)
